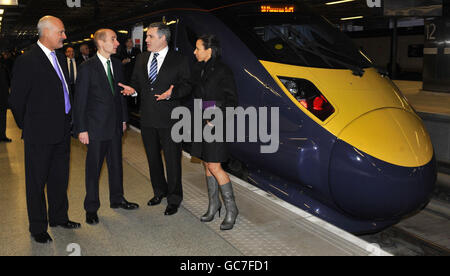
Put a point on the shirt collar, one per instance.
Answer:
(102, 58)
(46, 50)
(163, 52)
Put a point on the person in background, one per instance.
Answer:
(4, 95)
(214, 84)
(128, 56)
(85, 53)
(40, 102)
(72, 66)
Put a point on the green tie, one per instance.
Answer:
(110, 76)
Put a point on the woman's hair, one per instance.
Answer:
(211, 41)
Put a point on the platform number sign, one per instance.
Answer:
(430, 29)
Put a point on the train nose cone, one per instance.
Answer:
(382, 166)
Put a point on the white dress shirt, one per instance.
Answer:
(160, 59)
(74, 68)
(105, 65)
(48, 53)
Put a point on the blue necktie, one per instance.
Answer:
(60, 75)
(153, 68)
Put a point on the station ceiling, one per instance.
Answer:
(19, 23)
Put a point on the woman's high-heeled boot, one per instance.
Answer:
(214, 200)
(230, 206)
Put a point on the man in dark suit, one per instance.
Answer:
(72, 66)
(100, 115)
(85, 53)
(128, 55)
(161, 78)
(4, 94)
(41, 106)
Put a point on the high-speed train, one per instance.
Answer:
(352, 150)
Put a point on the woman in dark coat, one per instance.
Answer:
(214, 84)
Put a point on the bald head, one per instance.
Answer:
(51, 32)
(106, 41)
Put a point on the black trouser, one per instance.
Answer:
(47, 164)
(155, 140)
(97, 151)
(3, 122)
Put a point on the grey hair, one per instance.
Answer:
(163, 29)
(44, 23)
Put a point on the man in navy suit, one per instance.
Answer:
(40, 102)
(161, 78)
(100, 115)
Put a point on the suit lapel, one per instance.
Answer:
(63, 63)
(116, 68)
(165, 66)
(47, 65)
(145, 68)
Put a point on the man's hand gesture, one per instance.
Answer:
(165, 95)
(127, 90)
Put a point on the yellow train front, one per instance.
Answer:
(352, 150)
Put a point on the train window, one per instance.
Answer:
(298, 38)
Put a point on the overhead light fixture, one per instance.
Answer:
(2, 11)
(351, 18)
(338, 2)
(9, 2)
(123, 32)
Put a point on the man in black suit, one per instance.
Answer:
(41, 106)
(4, 94)
(161, 78)
(85, 53)
(72, 66)
(100, 115)
(128, 55)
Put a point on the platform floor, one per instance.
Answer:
(266, 226)
(425, 101)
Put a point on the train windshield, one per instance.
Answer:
(296, 37)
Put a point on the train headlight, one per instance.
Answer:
(307, 94)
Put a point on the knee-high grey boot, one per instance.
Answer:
(230, 206)
(214, 200)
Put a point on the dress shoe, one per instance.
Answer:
(67, 225)
(6, 140)
(171, 209)
(155, 201)
(125, 205)
(42, 238)
(91, 218)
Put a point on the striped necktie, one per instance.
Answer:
(153, 68)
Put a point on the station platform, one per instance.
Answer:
(434, 109)
(425, 101)
(266, 225)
